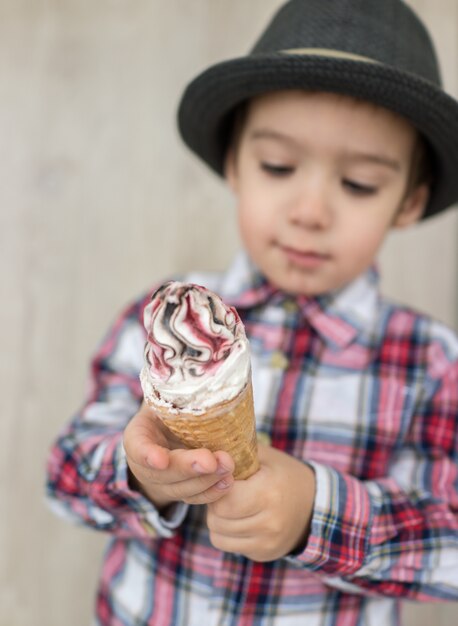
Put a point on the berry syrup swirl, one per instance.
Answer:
(191, 332)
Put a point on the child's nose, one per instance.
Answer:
(311, 207)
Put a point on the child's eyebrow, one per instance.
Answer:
(273, 134)
(355, 156)
(378, 159)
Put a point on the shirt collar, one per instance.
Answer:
(339, 317)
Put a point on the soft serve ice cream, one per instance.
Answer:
(196, 354)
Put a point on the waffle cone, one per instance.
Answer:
(228, 426)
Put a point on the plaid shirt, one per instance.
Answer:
(364, 391)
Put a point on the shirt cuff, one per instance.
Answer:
(142, 517)
(340, 525)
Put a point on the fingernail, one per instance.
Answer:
(197, 467)
(222, 470)
(223, 484)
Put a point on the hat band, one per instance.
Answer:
(327, 52)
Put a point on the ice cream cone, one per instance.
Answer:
(228, 426)
(197, 374)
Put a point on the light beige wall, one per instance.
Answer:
(98, 199)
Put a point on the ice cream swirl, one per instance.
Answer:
(196, 354)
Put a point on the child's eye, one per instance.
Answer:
(359, 189)
(277, 170)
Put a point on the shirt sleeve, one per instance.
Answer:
(396, 536)
(87, 478)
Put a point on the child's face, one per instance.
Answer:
(319, 179)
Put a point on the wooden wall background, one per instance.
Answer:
(98, 199)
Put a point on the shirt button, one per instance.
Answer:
(263, 439)
(290, 306)
(278, 360)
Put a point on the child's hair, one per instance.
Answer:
(421, 166)
(383, 55)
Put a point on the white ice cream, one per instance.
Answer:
(197, 354)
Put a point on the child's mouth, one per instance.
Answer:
(307, 259)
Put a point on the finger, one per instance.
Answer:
(225, 462)
(241, 528)
(148, 444)
(204, 490)
(147, 424)
(141, 449)
(244, 499)
(197, 489)
(233, 545)
(156, 457)
(183, 465)
(144, 443)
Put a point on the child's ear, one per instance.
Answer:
(412, 207)
(230, 169)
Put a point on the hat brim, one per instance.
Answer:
(206, 107)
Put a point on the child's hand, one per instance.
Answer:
(165, 472)
(268, 515)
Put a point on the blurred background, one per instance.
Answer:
(98, 200)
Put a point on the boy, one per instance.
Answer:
(331, 132)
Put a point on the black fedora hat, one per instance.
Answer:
(370, 49)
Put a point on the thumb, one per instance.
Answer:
(142, 442)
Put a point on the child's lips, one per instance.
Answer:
(307, 259)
